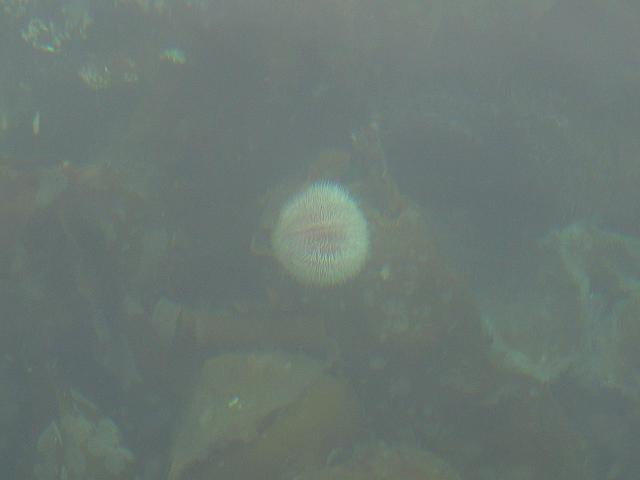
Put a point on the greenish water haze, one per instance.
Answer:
(148, 331)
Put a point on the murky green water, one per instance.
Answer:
(457, 298)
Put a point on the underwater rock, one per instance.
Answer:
(536, 320)
(407, 298)
(165, 318)
(173, 327)
(19, 195)
(529, 434)
(578, 313)
(250, 327)
(80, 444)
(408, 292)
(259, 415)
(605, 267)
(169, 337)
(383, 462)
(415, 312)
(407, 326)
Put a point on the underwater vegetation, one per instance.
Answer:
(338, 239)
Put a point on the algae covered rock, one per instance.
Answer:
(384, 462)
(576, 313)
(261, 414)
(80, 444)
